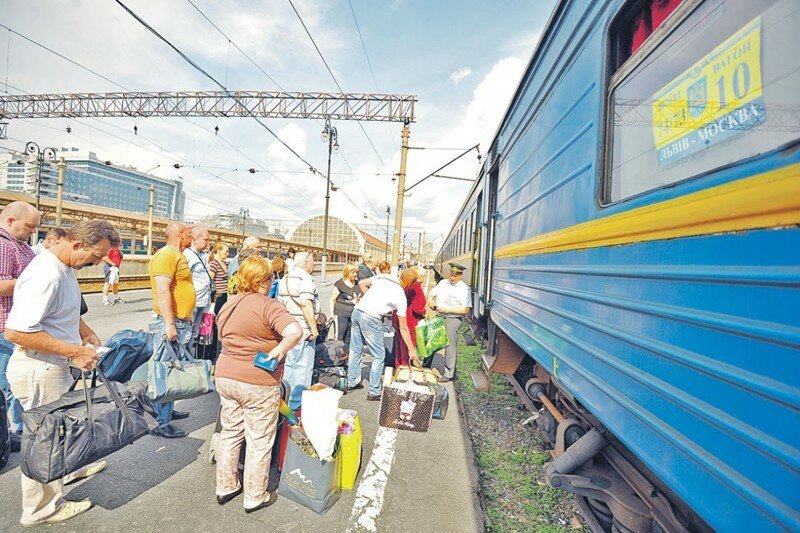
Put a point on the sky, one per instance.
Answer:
(463, 60)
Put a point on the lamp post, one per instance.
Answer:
(243, 214)
(150, 211)
(331, 136)
(32, 149)
(388, 212)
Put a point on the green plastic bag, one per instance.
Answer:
(431, 336)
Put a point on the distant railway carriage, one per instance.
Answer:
(633, 245)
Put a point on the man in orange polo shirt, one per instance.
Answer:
(173, 304)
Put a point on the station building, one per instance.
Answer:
(87, 180)
(341, 236)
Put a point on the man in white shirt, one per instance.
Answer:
(385, 295)
(451, 299)
(298, 293)
(49, 334)
(52, 238)
(201, 277)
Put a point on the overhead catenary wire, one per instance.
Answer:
(273, 80)
(164, 152)
(369, 63)
(333, 76)
(214, 80)
(95, 73)
(361, 188)
(221, 86)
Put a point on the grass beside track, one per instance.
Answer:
(509, 457)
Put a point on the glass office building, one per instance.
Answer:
(87, 180)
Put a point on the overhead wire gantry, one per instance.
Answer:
(265, 104)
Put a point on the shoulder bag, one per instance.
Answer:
(174, 374)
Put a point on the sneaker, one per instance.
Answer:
(119, 301)
(70, 510)
(106, 302)
(373, 397)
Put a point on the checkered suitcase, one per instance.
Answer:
(405, 409)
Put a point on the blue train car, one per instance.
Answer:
(634, 250)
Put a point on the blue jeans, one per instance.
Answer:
(158, 329)
(14, 407)
(298, 368)
(366, 330)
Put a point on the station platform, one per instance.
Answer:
(408, 481)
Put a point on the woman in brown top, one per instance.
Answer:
(249, 397)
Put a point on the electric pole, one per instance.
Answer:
(401, 191)
(386, 255)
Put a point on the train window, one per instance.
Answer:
(719, 87)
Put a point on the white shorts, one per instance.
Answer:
(113, 275)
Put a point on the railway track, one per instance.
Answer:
(126, 283)
(129, 283)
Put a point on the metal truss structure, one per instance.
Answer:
(774, 117)
(266, 104)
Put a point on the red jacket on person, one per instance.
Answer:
(415, 312)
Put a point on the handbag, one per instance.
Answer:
(206, 334)
(431, 336)
(423, 376)
(81, 427)
(175, 375)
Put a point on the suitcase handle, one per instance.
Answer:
(111, 392)
(174, 351)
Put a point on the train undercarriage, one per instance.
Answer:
(613, 489)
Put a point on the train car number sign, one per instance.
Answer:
(718, 97)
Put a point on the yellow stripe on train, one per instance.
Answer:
(767, 200)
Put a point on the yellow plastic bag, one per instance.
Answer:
(350, 455)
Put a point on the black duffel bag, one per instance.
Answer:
(82, 427)
(331, 353)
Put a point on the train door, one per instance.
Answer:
(487, 205)
(474, 255)
(491, 219)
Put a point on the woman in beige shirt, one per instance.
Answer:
(250, 323)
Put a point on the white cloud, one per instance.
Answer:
(460, 74)
(105, 38)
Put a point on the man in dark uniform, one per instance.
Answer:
(451, 299)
